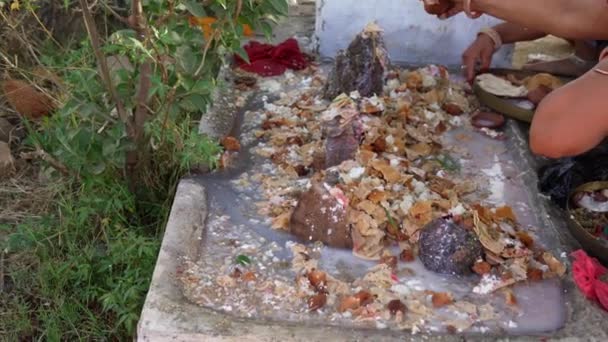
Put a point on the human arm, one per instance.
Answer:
(512, 33)
(483, 48)
(580, 19)
(572, 119)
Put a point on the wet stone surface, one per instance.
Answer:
(263, 289)
(269, 287)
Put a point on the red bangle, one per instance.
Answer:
(469, 12)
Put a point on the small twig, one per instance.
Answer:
(239, 8)
(88, 7)
(29, 46)
(164, 18)
(169, 101)
(1, 271)
(205, 51)
(161, 64)
(48, 33)
(56, 164)
(115, 14)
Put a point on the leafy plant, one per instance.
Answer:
(121, 140)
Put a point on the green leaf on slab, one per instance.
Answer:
(243, 260)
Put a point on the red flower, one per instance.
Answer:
(586, 272)
(601, 290)
(270, 60)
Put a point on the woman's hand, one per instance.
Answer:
(437, 7)
(456, 7)
(448, 8)
(479, 52)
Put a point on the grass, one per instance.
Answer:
(65, 278)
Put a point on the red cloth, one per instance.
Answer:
(587, 272)
(270, 60)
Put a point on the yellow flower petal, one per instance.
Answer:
(15, 5)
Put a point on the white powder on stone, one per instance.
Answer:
(406, 204)
(401, 289)
(419, 187)
(490, 132)
(356, 173)
(497, 184)
(456, 121)
(487, 284)
(269, 85)
(458, 210)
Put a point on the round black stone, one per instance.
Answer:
(448, 248)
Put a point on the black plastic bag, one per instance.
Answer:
(559, 178)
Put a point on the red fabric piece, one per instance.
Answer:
(586, 272)
(601, 290)
(269, 60)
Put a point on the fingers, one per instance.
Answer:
(451, 12)
(486, 61)
(469, 60)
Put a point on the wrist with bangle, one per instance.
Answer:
(493, 35)
(603, 55)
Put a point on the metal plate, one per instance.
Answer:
(594, 246)
(510, 107)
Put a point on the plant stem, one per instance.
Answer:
(101, 59)
(140, 116)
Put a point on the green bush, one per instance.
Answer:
(82, 272)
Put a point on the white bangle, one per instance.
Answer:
(494, 35)
(603, 55)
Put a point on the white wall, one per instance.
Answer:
(412, 36)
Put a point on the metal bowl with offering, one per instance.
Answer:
(515, 93)
(588, 218)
